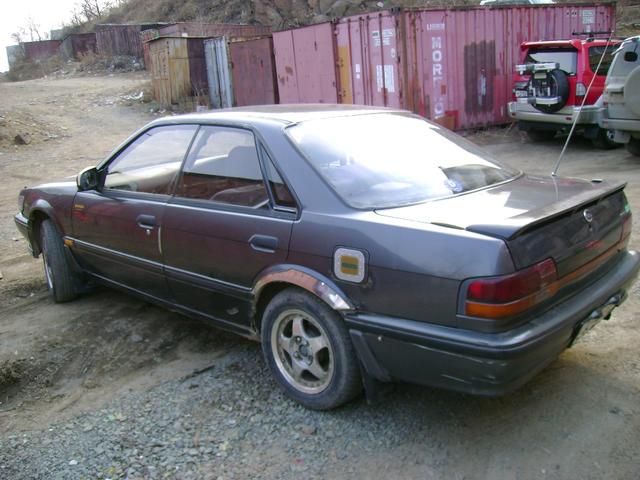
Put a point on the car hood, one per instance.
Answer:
(505, 210)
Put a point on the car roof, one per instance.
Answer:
(287, 114)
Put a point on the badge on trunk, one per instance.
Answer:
(588, 216)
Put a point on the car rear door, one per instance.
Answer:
(225, 224)
(117, 229)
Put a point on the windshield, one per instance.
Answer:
(390, 160)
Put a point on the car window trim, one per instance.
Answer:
(102, 168)
(264, 158)
(201, 204)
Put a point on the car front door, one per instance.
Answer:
(225, 224)
(117, 229)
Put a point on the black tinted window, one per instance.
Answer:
(223, 166)
(151, 163)
(595, 53)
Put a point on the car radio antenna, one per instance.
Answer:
(584, 99)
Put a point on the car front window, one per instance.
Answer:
(389, 160)
(152, 161)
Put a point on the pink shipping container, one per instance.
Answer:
(452, 65)
(306, 64)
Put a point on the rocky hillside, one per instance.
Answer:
(291, 13)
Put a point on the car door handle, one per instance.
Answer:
(147, 222)
(264, 243)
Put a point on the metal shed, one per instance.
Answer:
(14, 53)
(453, 65)
(77, 44)
(40, 50)
(117, 39)
(178, 69)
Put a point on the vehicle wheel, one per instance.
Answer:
(604, 140)
(309, 352)
(61, 280)
(633, 146)
(541, 135)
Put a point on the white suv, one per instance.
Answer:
(621, 97)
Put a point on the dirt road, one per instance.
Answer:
(111, 387)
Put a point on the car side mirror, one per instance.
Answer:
(88, 179)
(630, 57)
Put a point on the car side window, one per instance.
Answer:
(223, 167)
(151, 163)
(595, 54)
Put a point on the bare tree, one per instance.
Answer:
(19, 35)
(33, 29)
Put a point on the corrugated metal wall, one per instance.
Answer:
(369, 50)
(112, 40)
(40, 50)
(219, 72)
(78, 44)
(453, 65)
(306, 64)
(253, 72)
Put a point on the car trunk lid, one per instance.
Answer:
(572, 221)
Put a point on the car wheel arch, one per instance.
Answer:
(276, 279)
(36, 217)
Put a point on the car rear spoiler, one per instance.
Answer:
(513, 227)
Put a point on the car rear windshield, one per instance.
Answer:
(389, 160)
(566, 57)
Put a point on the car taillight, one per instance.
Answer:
(510, 295)
(581, 90)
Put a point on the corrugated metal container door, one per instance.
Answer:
(253, 72)
(218, 72)
(369, 49)
(306, 64)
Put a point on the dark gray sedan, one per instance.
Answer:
(359, 245)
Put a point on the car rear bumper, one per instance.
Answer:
(394, 349)
(524, 112)
(621, 124)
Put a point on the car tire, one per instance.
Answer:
(633, 146)
(561, 89)
(308, 350)
(604, 140)
(541, 135)
(62, 282)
